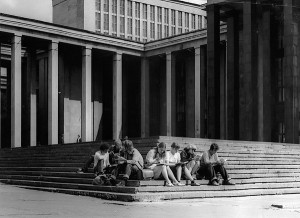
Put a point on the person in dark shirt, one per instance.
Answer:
(193, 161)
(130, 162)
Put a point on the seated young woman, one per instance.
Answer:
(158, 161)
(176, 166)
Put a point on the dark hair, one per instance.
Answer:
(214, 146)
(127, 143)
(104, 146)
(175, 145)
(162, 145)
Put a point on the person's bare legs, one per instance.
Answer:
(171, 175)
(179, 172)
(165, 174)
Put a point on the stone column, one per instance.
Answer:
(290, 74)
(53, 93)
(86, 109)
(117, 96)
(213, 70)
(170, 95)
(248, 77)
(198, 104)
(16, 101)
(264, 78)
(31, 101)
(232, 89)
(145, 97)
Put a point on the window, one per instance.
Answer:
(152, 31)
(106, 22)
(179, 18)
(129, 8)
(166, 31)
(145, 29)
(152, 13)
(129, 26)
(193, 21)
(187, 22)
(179, 22)
(122, 25)
(98, 21)
(199, 22)
(173, 22)
(98, 5)
(144, 11)
(159, 31)
(166, 16)
(159, 14)
(122, 7)
(137, 28)
(106, 6)
(114, 6)
(137, 10)
(114, 23)
(98, 16)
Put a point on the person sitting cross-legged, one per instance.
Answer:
(177, 166)
(100, 160)
(113, 151)
(210, 165)
(157, 160)
(193, 161)
(130, 162)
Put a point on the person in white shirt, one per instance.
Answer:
(210, 165)
(101, 159)
(177, 166)
(157, 160)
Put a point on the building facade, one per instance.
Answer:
(138, 20)
(262, 68)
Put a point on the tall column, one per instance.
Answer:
(232, 89)
(16, 103)
(264, 78)
(249, 92)
(145, 98)
(86, 94)
(31, 95)
(53, 93)
(117, 96)
(197, 92)
(170, 95)
(290, 74)
(213, 70)
(0, 98)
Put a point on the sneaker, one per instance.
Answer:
(169, 184)
(228, 182)
(80, 171)
(195, 184)
(178, 184)
(214, 183)
(121, 184)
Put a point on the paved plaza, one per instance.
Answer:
(18, 202)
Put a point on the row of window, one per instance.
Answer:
(161, 24)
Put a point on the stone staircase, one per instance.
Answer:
(256, 168)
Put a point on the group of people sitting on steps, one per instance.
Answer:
(121, 158)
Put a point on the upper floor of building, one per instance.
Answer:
(137, 20)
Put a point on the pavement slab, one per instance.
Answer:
(19, 202)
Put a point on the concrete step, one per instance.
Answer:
(154, 197)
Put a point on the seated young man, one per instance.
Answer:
(113, 150)
(210, 165)
(158, 161)
(193, 161)
(130, 162)
(177, 166)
